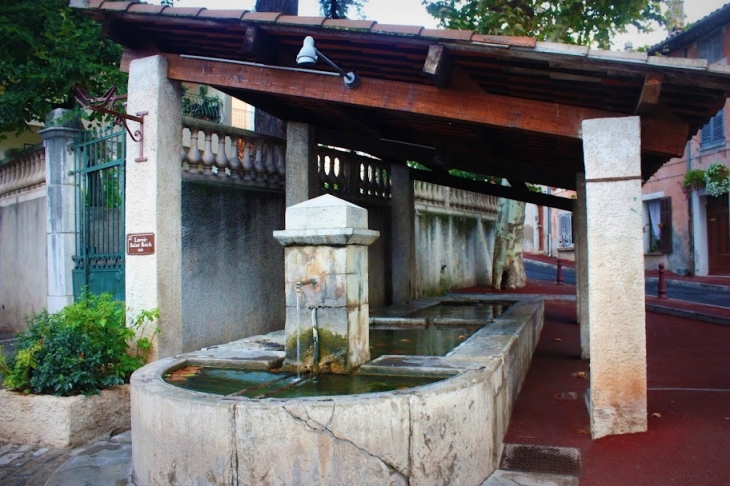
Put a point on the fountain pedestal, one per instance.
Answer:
(326, 279)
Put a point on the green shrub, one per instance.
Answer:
(80, 349)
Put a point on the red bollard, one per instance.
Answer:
(662, 286)
(560, 272)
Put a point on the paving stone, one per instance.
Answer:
(8, 458)
(40, 451)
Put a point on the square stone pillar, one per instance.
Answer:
(402, 224)
(581, 267)
(152, 203)
(615, 260)
(326, 278)
(60, 208)
(302, 180)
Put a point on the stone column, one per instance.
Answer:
(402, 233)
(152, 204)
(581, 267)
(326, 279)
(60, 208)
(302, 181)
(615, 260)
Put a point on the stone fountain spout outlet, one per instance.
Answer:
(301, 283)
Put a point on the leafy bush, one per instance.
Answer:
(717, 179)
(80, 349)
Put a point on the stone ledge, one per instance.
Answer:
(59, 422)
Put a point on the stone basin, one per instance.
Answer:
(446, 432)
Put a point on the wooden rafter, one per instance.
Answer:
(650, 92)
(437, 66)
(658, 135)
(517, 194)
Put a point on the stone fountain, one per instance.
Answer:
(326, 264)
(447, 432)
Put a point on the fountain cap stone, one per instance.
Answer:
(325, 212)
(326, 220)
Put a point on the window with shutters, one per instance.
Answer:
(713, 134)
(658, 225)
(710, 46)
(565, 230)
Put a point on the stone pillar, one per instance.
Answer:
(302, 180)
(581, 268)
(615, 260)
(152, 204)
(60, 208)
(402, 231)
(326, 279)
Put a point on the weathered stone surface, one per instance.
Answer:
(325, 211)
(616, 314)
(450, 442)
(58, 422)
(448, 432)
(179, 437)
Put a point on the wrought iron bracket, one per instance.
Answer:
(111, 104)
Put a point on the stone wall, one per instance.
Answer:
(232, 268)
(23, 269)
(452, 251)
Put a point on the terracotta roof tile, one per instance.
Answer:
(451, 34)
(505, 40)
(261, 16)
(145, 8)
(349, 24)
(115, 6)
(222, 14)
(182, 12)
(396, 29)
(94, 4)
(295, 19)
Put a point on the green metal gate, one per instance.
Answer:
(99, 178)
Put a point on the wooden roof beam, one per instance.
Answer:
(259, 45)
(650, 92)
(437, 66)
(444, 179)
(659, 136)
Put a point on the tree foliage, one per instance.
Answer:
(338, 9)
(581, 22)
(47, 47)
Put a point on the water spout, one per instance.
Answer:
(299, 284)
(315, 337)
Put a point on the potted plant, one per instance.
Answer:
(66, 383)
(717, 179)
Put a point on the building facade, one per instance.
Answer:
(687, 229)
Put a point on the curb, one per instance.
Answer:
(688, 314)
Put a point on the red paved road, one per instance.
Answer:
(688, 442)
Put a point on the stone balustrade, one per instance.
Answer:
(349, 174)
(433, 196)
(220, 153)
(24, 173)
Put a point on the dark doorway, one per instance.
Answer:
(718, 234)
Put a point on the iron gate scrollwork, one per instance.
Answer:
(99, 177)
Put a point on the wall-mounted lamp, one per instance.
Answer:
(308, 57)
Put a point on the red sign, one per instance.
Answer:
(140, 244)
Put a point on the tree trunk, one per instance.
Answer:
(263, 122)
(288, 7)
(508, 269)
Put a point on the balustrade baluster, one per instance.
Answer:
(194, 158)
(247, 163)
(234, 160)
(280, 164)
(208, 157)
(258, 163)
(269, 165)
(221, 160)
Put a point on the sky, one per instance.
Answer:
(412, 12)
